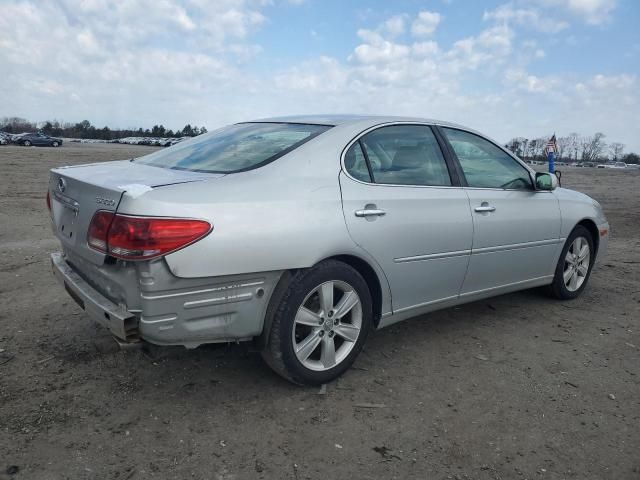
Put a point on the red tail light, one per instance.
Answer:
(138, 238)
(99, 229)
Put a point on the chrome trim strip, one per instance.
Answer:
(516, 246)
(219, 300)
(205, 290)
(432, 256)
(158, 320)
(437, 124)
(375, 127)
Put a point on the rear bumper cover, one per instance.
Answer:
(115, 318)
(146, 301)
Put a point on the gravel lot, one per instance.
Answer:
(519, 386)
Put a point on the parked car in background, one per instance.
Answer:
(5, 138)
(37, 139)
(619, 165)
(305, 233)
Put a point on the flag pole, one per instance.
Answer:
(551, 148)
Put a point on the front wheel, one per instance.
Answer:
(574, 266)
(320, 324)
(55, 144)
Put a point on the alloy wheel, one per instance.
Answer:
(327, 325)
(576, 264)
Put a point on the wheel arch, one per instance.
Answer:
(361, 266)
(371, 277)
(591, 226)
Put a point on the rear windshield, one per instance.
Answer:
(235, 148)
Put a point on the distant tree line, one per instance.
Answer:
(84, 129)
(573, 148)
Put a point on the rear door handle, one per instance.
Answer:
(485, 207)
(370, 212)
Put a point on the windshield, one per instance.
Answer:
(235, 148)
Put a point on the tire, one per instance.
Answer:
(302, 332)
(26, 143)
(577, 270)
(55, 144)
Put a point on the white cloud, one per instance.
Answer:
(395, 25)
(425, 23)
(594, 12)
(425, 49)
(526, 17)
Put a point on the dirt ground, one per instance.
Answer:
(519, 386)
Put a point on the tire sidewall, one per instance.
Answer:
(26, 143)
(561, 288)
(313, 278)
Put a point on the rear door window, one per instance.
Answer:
(405, 155)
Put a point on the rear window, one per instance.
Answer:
(235, 148)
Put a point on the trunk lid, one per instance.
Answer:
(78, 192)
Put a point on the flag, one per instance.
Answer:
(551, 145)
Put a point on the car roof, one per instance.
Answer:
(346, 119)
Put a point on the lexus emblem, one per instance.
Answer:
(62, 184)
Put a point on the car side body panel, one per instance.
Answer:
(283, 216)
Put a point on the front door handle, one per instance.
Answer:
(485, 207)
(370, 212)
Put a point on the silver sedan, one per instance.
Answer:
(304, 233)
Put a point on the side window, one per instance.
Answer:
(405, 155)
(356, 164)
(485, 165)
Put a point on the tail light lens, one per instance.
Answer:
(139, 238)
(99, 229)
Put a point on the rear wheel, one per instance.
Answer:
(26, 143)
(320, 324)
(574, 266)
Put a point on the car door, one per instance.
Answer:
(516, 228)
(402, 206)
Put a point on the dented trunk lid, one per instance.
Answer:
(77, 192)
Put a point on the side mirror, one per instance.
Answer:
(546, 181)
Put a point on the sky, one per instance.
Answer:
(507, 68)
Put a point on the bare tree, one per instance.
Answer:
(616, 149)
(562, 147)
(516, 145)
(592, 147)
(536, 147)
(574, 146)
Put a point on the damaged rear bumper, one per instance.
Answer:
(144, 300)
(115, 318)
